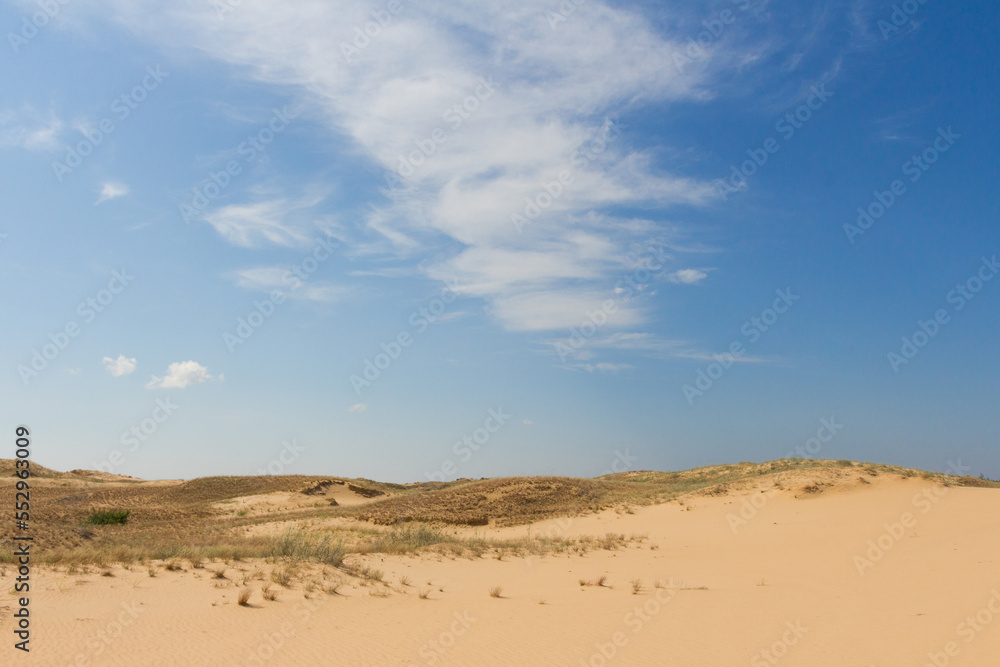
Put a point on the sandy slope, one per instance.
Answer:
(788, 581)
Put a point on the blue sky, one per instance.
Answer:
(562, 239)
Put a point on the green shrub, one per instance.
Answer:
(109, 517)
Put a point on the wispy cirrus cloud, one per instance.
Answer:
(251, 225)
(465, 114)
(532, 102)
(276, 278)
(28, 129)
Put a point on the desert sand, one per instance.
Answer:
(820, 569)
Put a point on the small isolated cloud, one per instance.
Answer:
(687, 276)
(73, 371)
(111, 190)
(180, 374)
(527, 422)
(120, 366)
(357, 407)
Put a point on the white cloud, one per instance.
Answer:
(180, 374)
(30, 130)
(357, 407)
(249, 225)
(714, 356)
(275, 278)
(527, 422)
(687, 276)
(603, 367)
(120, 366)
(544, 111)
(112, 190)
(557, 309)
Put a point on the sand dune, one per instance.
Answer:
(887, 571)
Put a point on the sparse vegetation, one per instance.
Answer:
(170, 524)
(637, 586)
(244, 598)
(496, 592)
(282, 576)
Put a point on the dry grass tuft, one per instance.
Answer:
(496, 591)
(244, 599)
(282, 576)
